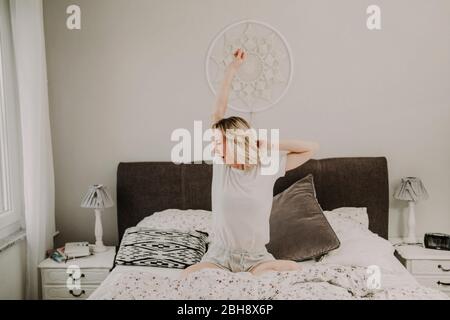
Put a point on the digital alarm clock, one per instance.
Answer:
(438, 241)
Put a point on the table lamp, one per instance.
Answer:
(98, 198)
(411, 189)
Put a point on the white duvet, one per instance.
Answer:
(364, 267)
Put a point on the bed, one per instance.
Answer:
(342, 185)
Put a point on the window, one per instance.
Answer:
(11, 185)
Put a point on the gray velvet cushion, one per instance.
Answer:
(298, 228)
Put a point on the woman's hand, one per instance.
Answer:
(239, 57)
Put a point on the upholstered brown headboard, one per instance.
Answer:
(147, 187)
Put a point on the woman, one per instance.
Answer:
(241, 195)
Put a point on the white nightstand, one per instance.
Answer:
(76, 278)
(431, 268)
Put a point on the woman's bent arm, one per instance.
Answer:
(298, 151)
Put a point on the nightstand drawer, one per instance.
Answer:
(63, 293)
(91, 273)
(60, 276)
(440, 283)
(438, 267)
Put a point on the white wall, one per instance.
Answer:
(12, 275)
(135, 72)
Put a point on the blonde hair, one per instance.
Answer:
(241, 138)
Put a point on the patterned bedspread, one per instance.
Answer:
(315, 282)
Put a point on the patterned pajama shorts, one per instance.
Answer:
(236, 260)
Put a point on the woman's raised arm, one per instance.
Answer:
(222, 98)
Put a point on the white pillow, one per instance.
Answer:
(358, 215)
(181, 220)
(359, 246)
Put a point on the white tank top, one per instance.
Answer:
(241, 205)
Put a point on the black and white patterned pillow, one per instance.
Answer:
(161, 248)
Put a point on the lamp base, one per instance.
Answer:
(411, 238)
(99, 247)
(410, 241)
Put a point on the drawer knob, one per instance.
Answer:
(440, 283)
(77, 295)
(443, 269)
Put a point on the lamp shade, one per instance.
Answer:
(411, 189)
(97, 197)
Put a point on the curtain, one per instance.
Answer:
(29, 47)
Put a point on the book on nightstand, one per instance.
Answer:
(57, 255)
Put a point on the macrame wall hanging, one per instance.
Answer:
(266, 74)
